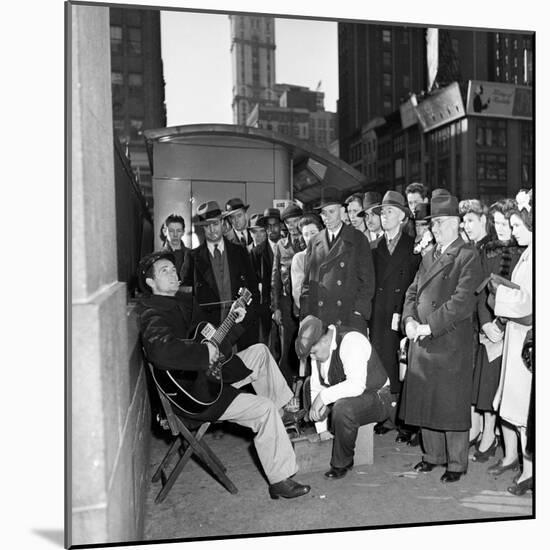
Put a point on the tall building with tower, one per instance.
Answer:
(253, 64)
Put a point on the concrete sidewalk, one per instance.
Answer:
(388, 492)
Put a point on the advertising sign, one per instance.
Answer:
(496, 99)
(441, 107)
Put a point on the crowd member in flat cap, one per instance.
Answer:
(257, 231)
(235, 212)
(438, 320)
(262, 262)
(216, 270)
(167, 319)
(174, 230)
(281, 290)
(354, 205)
(373, 225)
(395, 266)
(348, 384)
(339, 273)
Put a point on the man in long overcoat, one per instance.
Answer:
(438, 319)
(339, 273)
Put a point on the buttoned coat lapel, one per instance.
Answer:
(434, 267)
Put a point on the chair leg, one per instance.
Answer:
(174, 448)
(198, 447)
(171, 479)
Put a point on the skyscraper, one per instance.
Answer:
(137, 85)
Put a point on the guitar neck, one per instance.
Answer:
(225, 327)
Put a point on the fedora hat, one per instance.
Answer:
(255, 221)
(393, 198)
(370, 200)
(292, 211)
(232, 205)
(330, 195)
(443, 204)
(270, 213)
(147, 261)
(310, 330)
(208, 212)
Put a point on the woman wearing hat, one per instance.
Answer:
(514, 392)
(354, 205)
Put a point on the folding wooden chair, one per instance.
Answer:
(188, 440)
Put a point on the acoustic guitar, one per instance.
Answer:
(204, 387)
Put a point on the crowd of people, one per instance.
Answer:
(407, 310)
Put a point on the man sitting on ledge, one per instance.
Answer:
(348, 381)
(166, 320)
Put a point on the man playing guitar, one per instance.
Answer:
(166, 322)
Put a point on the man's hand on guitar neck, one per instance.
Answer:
(239, 310)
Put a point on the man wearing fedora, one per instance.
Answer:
(339, 274)
(257, 231)
(438, 320)
(281, 290)
(262, 262)
(373, 226)
(235, 212)
(348, 382)
(167, 319)
(216, 270)
(395, 266)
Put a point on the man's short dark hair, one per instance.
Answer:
(174, 218)
(417, 187)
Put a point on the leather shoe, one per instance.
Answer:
(288, 488)
(381, 429)
(414, 441)
(424, 466)
(337, 473)
(292, 417)
(522, 487)
(483, 456)
(450, 477)
(498, 468)
(403, 437)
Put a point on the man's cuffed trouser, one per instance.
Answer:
(260, 412)
(446, 447)
(348, 414)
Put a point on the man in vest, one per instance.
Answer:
(348, 381)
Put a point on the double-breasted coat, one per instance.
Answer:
(393, 274)
(339, 280)
(197, 273)
(438, 384)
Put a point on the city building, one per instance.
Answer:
(253, 64)
(261, 102)
(395, 131)
(137, 84)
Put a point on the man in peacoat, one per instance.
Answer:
(215, 289)
(339, 274)
(438, 320)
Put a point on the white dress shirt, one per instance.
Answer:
(211, 247)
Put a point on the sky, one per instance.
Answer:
(197, 63)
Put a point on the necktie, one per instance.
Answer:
(243, 239)
(217, 257)
(437, 252)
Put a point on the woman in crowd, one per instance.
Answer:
(354, 205)
(514, 391)
(309, 225)
(499, 256)
(475, 229)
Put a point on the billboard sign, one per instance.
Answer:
(497, 99)
(441, 107)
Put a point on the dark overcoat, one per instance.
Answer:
(438, 384)
(167, 324)
(339, 280)
(198, 274)
(262, 263)
(393, 274)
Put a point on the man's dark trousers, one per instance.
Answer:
(446, 447)
(348, 414)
